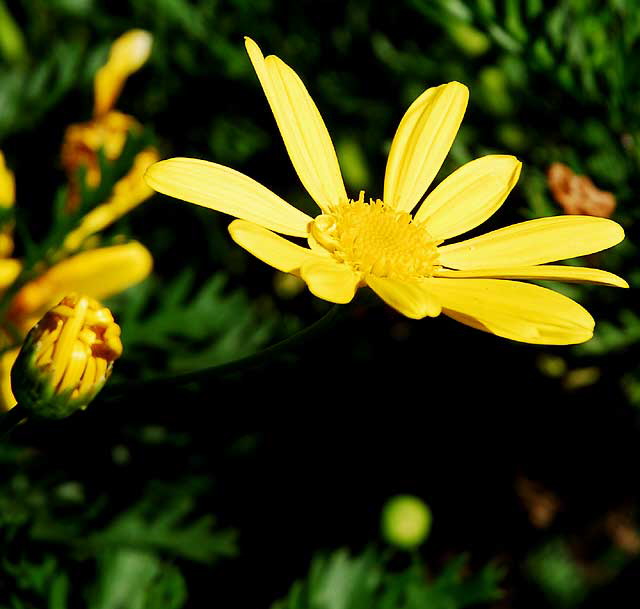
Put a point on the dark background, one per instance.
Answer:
(299, 453)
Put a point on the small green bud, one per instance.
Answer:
(406, 521)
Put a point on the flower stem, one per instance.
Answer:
(11, 419)
(244, 363)
(257, 358)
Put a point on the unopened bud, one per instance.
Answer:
(66, 358)
(406, 521)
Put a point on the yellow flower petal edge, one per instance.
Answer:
(469, 196)
(421, 143)
(226, 190)
(514, 310)
(330, 281)
(553, 272)
(9, 270)
(7, 359)
(410, 298)
(7, 184)
(533, 242)
(127, 55)
(98, 273)
(271, 248)
(304, 133)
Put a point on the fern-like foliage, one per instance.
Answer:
(178, 327)
(342, 581)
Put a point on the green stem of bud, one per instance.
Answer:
(11, 419)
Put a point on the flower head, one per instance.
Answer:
(386, 244)
(66, 358)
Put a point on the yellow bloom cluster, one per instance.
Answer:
(398, 251)
(109, 128)
(100, 272)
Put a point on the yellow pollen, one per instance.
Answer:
(375, 239)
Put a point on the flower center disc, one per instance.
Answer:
(375, 239)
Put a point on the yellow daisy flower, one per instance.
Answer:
(380, 244)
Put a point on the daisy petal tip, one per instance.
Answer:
(150, 175)
(159, 173)
(619, 230)
(619, 282)
(516, 169)
(235, 226)
(330, 281)
(460, 86)
(251, 45)
(579, 338)
(459, 89)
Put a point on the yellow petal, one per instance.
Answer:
(533, 242)
(6, 247)
(302, 128)
(409, 298)
(7, 184)
(226, 190)
(422, 142)
(98, 273)
(7, 359)
(9, 271)
(469, 196)
(330, 280)
(519, 311)
(556, 272)
(271, 248)
(128, 54)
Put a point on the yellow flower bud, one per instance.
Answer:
(66, 358)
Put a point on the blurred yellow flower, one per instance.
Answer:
(109, 128)
(7, 199)
(378, 243)
(127, 193)
(66, 358)
(128, 54)
(98, 273)
(7, 184)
